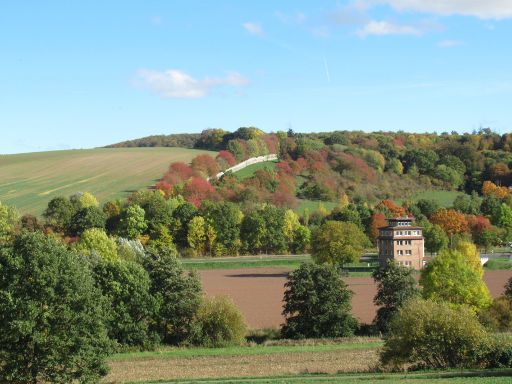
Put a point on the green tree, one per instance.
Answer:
(450, 277)
(337, 243)
(58, 213)
(505, 219)
(177, 294)
(197, 235)
(252, 232)
(52, 318)
(87, 218)
(428, 334)
(317, 304)
(435, 238)
(8, 219)
(468, 204)
(132, 223)
(125, 285)
(95, 241)
(395, 286)
(226, 218)
(301, 239)
(218, 323)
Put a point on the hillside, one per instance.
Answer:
(29, 181)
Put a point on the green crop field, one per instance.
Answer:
(29, 181)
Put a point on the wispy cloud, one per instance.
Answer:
(253, 28)
(483, 9)
(382, 28)
(449, 43)
(176, 84)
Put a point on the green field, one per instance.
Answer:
(263, 261)
(251, 169)
(313, 205)
(444, 198)
(29, 181)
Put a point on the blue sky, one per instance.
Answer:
(80, 74)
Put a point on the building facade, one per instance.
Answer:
(402, 242)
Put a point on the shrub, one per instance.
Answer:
(218, 323)
(317, 304)
(498, 316)
(427, 334)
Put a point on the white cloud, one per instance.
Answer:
(483, 9)
(176, 84)
(253, 28)
(449, 43)
(382, 28)
(289, 18)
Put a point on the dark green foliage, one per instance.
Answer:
(427, 207)
(59, 212)
(468, 204)
(87, 218)
(225, 217)
(52, 318)
(435, 238)
(426, 334)
(125, 285)
(491, 207)
(182, 215)
(317, 304)
(157, 212)
(498, 316)
(348, 214)
(508, 289)
(177, 294)
(218, 323)
(183, 140)
(395, 286)
(273, 238)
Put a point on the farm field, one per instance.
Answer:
(310, 361)
(258, 292)
(249, 361)
(29, 181)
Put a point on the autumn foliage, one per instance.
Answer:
(452, 221)
(491, 189)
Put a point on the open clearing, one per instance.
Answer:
(29, 181)
(259, 292)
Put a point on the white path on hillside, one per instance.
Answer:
(246, 163)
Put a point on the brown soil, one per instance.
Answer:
(258, 292)
(240, 366)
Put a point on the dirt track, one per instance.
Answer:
(259, 292)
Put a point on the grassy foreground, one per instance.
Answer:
(347, 361)
(28, 181)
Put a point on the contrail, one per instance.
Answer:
(327, 71)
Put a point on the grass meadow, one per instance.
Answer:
(28, 181)
(251, 169)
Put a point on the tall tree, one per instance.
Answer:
(451, 277)
(337, 243)
(395, 286)
(52, 318)
(317, 304)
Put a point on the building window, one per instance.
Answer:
(408, 252)
(399, 252)
(408, 263)
(408, 242)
